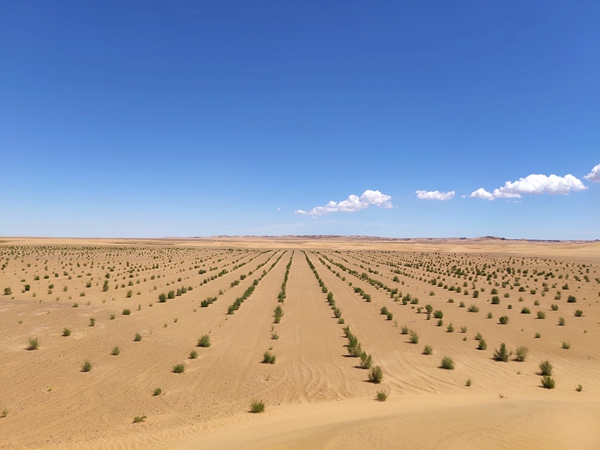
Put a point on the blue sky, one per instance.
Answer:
(150, 119)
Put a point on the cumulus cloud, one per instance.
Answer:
(533, 184)
(594, 175)
(435, 195)
(352, 204)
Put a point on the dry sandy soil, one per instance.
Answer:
(70, 301)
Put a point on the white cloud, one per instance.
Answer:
(533, 184)
(352, 204)
(435, 195)
(594, 175)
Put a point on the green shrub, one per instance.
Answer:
(193, 354)
(157, 392)
(92, 321)
(268, 358)
(87, 366)
(473, 308)
(139, 419)
(541, 315)
(7, 291)
(115, 351)
(447, 363)
(405, 329)
(438, 314)
(162, 298)
(503, 320)
(571, 299)
(521, 354)
(579, 388)
(566, 345)
(468, 383)
(561, 321)
(365, 361)
(257, 406)
(450, 329)
(482, 344)
(414, 337)
(428, 350)
(525, 311)
(204, 341)
(548, 382)
(554, 307)
(381, 396)
(578, 313)
(126, 312)
(538, 335)
(502, 354)
(495, 300)
(66, 332)
(546, 368)
(179, 368)
(138, 337)
(376, 375)
(33, 344)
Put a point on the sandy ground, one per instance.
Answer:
(315, 395)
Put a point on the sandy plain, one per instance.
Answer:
(315, 395)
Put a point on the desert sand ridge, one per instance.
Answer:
(71, 301)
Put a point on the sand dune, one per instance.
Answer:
(315, 395)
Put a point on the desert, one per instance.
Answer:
(299, 342)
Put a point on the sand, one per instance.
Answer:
(315, 394)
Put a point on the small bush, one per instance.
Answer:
(138, 337)
(554, 307)
(489, 315)
(566, 345)
(571, 299)
(579, 388)
(541, 315)
(578, 313)
(495, 300)
(521, 354)
(92, 321)
(473, 308)
(438, 314)
(381, 396)
(525, 311)
(502, 354)
(468, 383)
(450, 329)
(274, 336)
(463, 329)
(503, 320)
(7, 291)
(538, 335)
(204, 341)
(179, 368)
(561, 321)
(115, 351)
(139, 419)
(268, 358)
(126, 312)
(257, 406)
(546, 368)
(376, 375)
(548, 382)
(405, 329)
(33, 344)
(193, 354)
(482, 344)
(414, 337)
(157, 392)
(66, 332)
(447, 363)
(428, 350)
(87, 366)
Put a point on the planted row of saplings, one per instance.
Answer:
(363, 276)
(162, 298)
(366, 361)
(281, 295)
(354, 347)
(248, 292)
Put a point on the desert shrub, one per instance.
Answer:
(405, 329)
(525, 311)
(566, 345)
(204, 341)
(268, 358)
(541, 315)
(257, 406)
(438, 314)
(115, 351)
(193, 354)
(450, 328)
(162, 298)
(383, 311)
(482, 344)
(447, 363)
(495, 300)
(126, 312)
(502, 354)
(7, 291)
(381, 396)
(179, 368)
(546, 368)
(463, 329)
(157, 392)
(548, 382)
(139, 419)
(376, 375)
(468, 383)
(33, 344)
(475, 294)
(579, 388)
(274, 336)
(578, 313)
(538, 335)
(129, 294)
(365, 361)
(414, 337)
(138, 337)
(571, 299)
(554, 307)
(390, 316)
(171, 295)
(489, 315)
(440, 322)
(66, 332)
(473, 308)
(461, 305)
(92, 321)
(86, 366)
(561, 321)
(503, 320)
(521, 354)
(428, 350)
(478, 336)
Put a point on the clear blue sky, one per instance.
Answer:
(198, 118)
